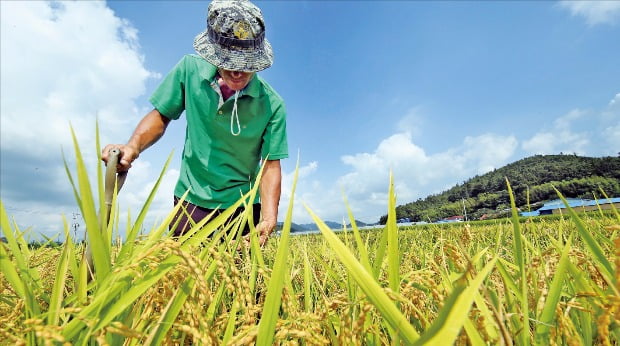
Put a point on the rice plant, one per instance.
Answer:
(508, 282)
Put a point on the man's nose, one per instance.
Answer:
(236, 74)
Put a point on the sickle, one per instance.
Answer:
(112, 178)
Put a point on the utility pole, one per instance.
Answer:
(75, 225)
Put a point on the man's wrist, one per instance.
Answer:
(268, 226)
(134, 145)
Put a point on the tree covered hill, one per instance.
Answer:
(313, 227)
(574, 176)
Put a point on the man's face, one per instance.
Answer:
(236, 80)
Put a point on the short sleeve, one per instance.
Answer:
(275, 143)
(169, 97)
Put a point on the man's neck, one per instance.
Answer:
(224, 89)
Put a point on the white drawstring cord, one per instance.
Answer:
(235, 115)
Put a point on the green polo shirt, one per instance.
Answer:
(218, 167)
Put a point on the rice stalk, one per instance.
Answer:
(519, 255)
(267, 324)
(370, 287)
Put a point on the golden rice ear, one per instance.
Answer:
(280, 272)
(558, 275)
(395, 319)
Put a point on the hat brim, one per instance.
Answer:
(233, 58)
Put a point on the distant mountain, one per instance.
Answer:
(312, 226)
(535, 176)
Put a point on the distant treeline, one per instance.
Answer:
(574, 176)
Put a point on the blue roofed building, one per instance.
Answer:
(557, 206)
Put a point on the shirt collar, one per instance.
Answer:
(252, 89)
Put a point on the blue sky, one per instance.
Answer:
(435, 92)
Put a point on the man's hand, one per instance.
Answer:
(265, 228)
(129, 154)
(270, 186)
(148, 131)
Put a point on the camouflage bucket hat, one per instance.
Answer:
(235, 37)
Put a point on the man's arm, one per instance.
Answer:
(148, 131)
(270, 189)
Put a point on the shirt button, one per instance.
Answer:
(220, 112)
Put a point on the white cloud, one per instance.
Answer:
(584, 132)
(560, 138)
(612, 136)
(308, 189)
(60, 66)
(565, 121)
(139, 185)
(612, 112)
(412, 122)
(541, 143)
(611, 126)
(615, 102)
(61, 63)
(416, 174)
(485, 152)
(595, 12)
(303, 173)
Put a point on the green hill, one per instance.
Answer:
(487, 195)
(312, 226)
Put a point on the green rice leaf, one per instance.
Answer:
(82, 280)
(613, 207)
(172, 309)
(170, 312)
(392, 235)
(581, 281)
(361, 246)
(99, 246)
(137, 226)
(491, 328)
(391, 228)
(452, 316)
(330, 273)
(380, 254)
(114, 296)
(136, 289)
(215, 305)
(203, 229)
(18, 273)
(267, 324)
(76, 194)
(600, 260)
(73, 260)
(553, 297)
(230, 326)
(365, 280)
(12, 243)
(9, 271)
(474, 336)
(519, 254)
(58, 288)
(100, 181)
(253, 273)
(307, 282)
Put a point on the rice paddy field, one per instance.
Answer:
(510, 282)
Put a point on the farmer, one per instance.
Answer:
(235, 119)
